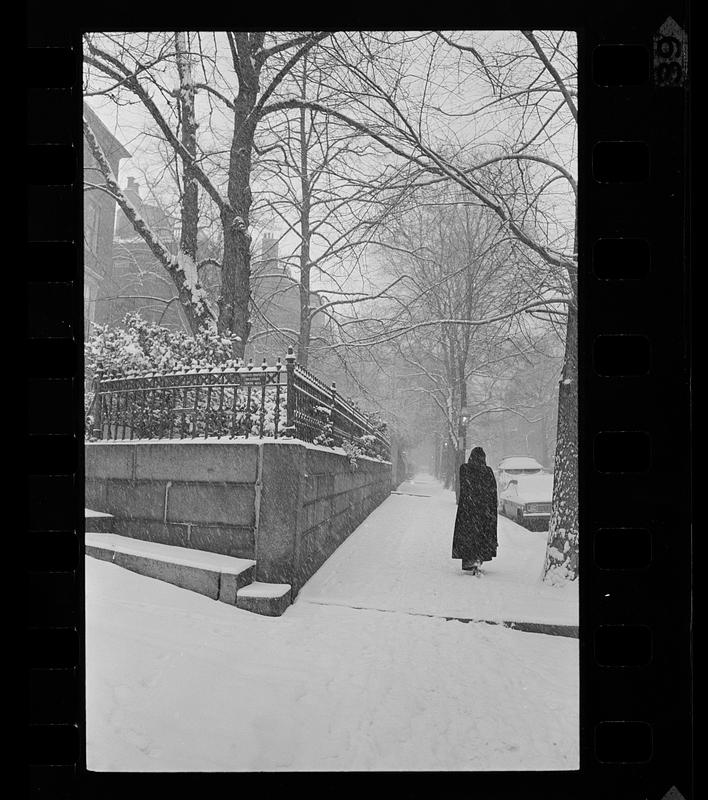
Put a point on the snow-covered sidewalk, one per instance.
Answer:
(178, 682)
(399, 560)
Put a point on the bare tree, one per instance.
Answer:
(141, 66)
(533, 82)
(323, 183)
(459, 267)
(420, 101)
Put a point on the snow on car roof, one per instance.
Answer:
(519, 462)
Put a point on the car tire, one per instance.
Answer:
(520, 517)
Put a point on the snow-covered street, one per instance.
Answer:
(178, 682)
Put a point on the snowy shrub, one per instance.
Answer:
(368, 444)
(146, 346)
(142, 346)
(326, 436)
(353, 451)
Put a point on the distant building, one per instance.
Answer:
(99, 221)
(141, 284)
(277, 300)
(123, 276)
(156, 218)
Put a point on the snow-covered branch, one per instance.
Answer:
(191, 295)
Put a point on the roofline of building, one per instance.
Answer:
(102, 132)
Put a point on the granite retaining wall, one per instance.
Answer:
(288, 505)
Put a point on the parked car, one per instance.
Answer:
(527, 500)
(512, 466)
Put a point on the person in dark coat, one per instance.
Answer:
(475, 537)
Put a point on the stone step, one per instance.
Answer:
(236, 541)
(216, 576)
(269, 599)
(98, 521)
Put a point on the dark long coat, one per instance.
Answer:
(475, 537)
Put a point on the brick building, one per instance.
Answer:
(121, 275)
(278, 304)
(141, 283)
(99, 224)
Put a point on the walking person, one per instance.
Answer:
(475, 537)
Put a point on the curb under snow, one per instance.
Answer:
(548, 628)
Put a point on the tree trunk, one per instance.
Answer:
(189, 206)
(561, 563)
(235, 296)
(450, 457)
(235, 285)
(461, 429)
(189, 201)
(303, 345)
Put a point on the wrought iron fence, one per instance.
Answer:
(282, 400)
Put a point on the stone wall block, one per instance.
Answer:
(135, 499)
(110, 460)
(152, 531)
(309, 488)
(280, 518)
(323, 511)
(341, 502)
(197, 461)
(344, 482)
(215, 503)
(325, 485)
(309, 516)
(95, 496)
(238, 542)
